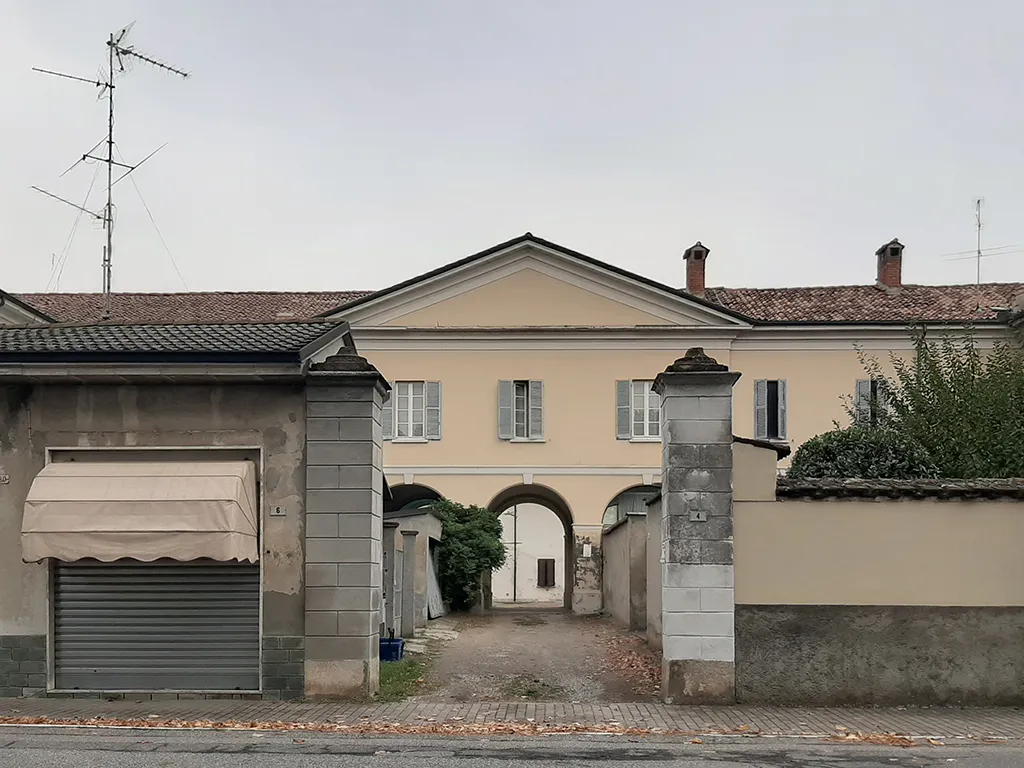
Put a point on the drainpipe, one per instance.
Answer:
(515, 553)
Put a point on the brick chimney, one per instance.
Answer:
(890, 264)
(695, 257)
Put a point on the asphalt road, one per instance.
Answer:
(94, 748)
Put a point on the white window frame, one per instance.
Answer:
(405, 417)
(413, 407)
(642, 391)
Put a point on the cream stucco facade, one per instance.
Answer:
(533, 313)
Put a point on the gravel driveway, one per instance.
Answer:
(537, 655)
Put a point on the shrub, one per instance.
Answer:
(470, 546)
(862, 452)
(962, 404)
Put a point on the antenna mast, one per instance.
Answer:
(118, 53)
(977, 254)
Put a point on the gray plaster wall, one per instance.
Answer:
(885, 655)
(428, 527)
(270, 417)
(22, 586)
(624, 550)
(654, 574)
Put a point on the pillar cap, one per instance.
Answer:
(696, 361)
(695, 367)
(348, 366)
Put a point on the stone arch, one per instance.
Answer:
(635, 495)
(408, 495)
(553, 501)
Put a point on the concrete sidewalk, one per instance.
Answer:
(935, 723)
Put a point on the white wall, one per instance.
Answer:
(540, 535)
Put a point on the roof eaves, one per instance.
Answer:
(114, 357)
(8, 298)
(341, 330)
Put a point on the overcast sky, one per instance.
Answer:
(349, 145)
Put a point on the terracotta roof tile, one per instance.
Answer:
(219, 307)
(823, 488)
(843, 303)
(867, 303)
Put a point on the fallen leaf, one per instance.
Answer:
(696, 741)
(881, 739)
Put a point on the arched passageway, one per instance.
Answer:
(630, 501)
(538, 535)
(411, 496)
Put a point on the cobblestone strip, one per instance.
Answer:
(932, 722)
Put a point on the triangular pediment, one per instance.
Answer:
(16, 312)
(532, 283)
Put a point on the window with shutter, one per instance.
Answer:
(521, 410)
(413, 412)
(770, 409)
(646, 412)
(870, 401)
(546, 572)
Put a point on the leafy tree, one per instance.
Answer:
(865, 452)
(951, 410)
(470, 546)
(963, 406)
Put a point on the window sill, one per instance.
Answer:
(526, 440)
(645, 439)
(409, 440)
(774, 440)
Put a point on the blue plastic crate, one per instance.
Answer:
(392, 650)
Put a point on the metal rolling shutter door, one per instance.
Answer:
(129, 625)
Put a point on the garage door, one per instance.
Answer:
(165, 625)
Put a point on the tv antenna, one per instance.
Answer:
(977, 253)
(120, 57)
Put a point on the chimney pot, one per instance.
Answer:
(890, 264)
(695, 257)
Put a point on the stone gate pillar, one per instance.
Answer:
(696, 532)
(344, 526)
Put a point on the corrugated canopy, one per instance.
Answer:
(142, 510)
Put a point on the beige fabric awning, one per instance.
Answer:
(142, 510)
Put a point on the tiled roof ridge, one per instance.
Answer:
(994, 284)
(115, 323)
(193, 293)
(369, 291)
(940, 488)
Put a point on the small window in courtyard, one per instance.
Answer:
(546, 572)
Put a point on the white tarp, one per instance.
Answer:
(142, 510)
